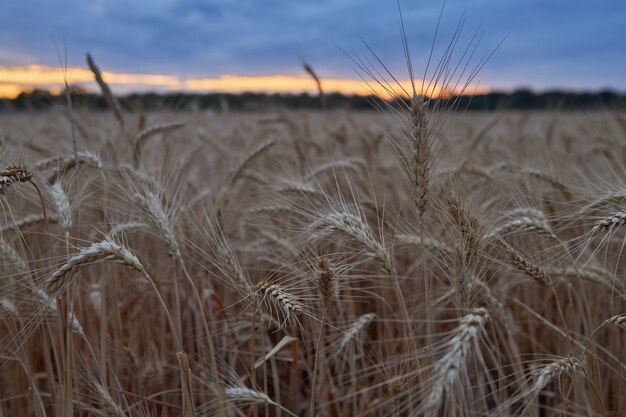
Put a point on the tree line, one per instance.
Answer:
(523, 99)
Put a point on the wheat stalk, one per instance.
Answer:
(189, 409)
(51, 305)
(327, 287)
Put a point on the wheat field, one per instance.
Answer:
(409, 262)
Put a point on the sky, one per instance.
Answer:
(236, 45)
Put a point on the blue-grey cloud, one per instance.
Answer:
(549, 43)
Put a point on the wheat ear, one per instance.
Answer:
(109, 406)
(26, 222)
(427, 243)
(356, 327)
(63, 207)
(10, 256)
(327, 287)
(608, 224)
(318, 83)
(451, 365)
(19, 173)
(279, 299)
(244, 395)
(591, 273)
(106, 91)
(619, 320)
(355, 228)
(66, 163)
(523, 223)
(421, 153)
(353, 164)
(12, 174)
(149, 132)
(550, 179)
(532, 270)
(468, 225)
(145, 178)
(247, 396)
(247, 160)
(618, 197)
(123, 227)
(106, 250)
(543, 376)
(153, 210)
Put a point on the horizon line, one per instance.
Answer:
(15, 80)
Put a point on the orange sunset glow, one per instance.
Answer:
(14, 80)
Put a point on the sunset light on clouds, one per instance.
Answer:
(14, 80)
(237, 46)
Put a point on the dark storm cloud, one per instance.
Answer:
(550, 43)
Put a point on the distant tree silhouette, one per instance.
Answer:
(523, 99)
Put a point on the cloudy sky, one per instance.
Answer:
(572, 44)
